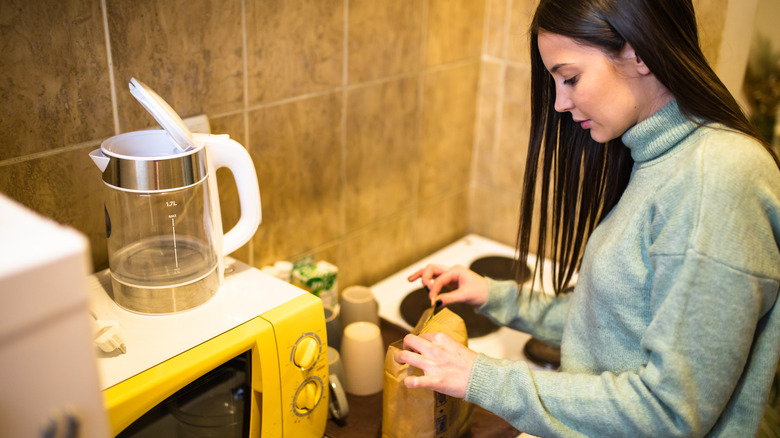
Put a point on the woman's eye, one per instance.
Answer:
(571, 81)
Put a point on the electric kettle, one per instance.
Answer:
(164, 231)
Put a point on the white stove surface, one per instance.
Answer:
(504, 343)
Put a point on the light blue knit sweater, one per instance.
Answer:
(672, 329)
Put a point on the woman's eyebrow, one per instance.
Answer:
(556, 67)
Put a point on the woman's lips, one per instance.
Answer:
(586, 124)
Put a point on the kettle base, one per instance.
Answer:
(166, 299)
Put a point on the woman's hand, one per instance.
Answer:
(447, 364)
(469, 287)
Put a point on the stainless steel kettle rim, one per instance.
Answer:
(152, 164)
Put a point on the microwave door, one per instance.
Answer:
(216, 404)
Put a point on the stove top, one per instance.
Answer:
(397, 297)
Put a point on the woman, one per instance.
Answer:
(672, 329)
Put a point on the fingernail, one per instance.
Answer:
(427, 289)
(438, 303)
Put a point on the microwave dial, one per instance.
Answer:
(308, 396)
(306, 352)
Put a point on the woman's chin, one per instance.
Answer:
(601, 136)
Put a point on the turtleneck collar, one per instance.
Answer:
(657, 134)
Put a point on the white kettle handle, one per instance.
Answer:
(222, 151)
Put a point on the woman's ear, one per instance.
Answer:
(629, 55)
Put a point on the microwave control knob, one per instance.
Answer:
(308, 397)
(306, 352)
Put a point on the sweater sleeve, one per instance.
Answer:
(694, 363)
(536, 313)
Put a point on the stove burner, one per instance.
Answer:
(495, 267)
(416, 302)
(543, 354)
(498, 268)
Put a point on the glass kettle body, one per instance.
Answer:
(163, 227)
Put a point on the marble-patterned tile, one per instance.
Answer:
(488, 116)
(188, 52)
(54, 78)
(711, 19)
(494, 214)
(231, 124)
(447, 128)
(385, 38)
(518, 44)
(495, 27)
(382, 150)
(377, 251)
(294, 47)
(454, 30)
(441, 221)
(66, 187)
(296, 149)
(515, 128)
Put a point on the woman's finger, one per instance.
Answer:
(416, 344)
(417, 274)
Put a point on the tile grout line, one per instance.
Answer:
(347, 87)
(416, 207)
(343, 123)
(51, 152)
(247, 139)
(501, 92)
(473, 171)
(245, 56)
(110, 60)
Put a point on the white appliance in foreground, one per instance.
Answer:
(49, 380)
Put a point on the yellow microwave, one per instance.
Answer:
(251, 361)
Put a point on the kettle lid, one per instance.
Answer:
(164, 114)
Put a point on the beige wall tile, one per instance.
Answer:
(441, 221)
(447, 129)
(66, 187)
(382, 150)
(495, 27)
(494, 214)
(518, 45)
(454, 30)
(377, 251)
(711, 19)
(488, 117)
(296, 149)
(53, 76)
(515, 128)
(188, 52)
(385, 38)
(294, 47)
(231, 124)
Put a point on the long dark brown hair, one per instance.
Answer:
(579, 180)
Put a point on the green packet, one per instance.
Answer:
(320, 278)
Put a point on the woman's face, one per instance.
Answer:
(606, 95)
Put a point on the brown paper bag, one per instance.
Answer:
(416, 412)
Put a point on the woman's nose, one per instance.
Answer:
(562, 102)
